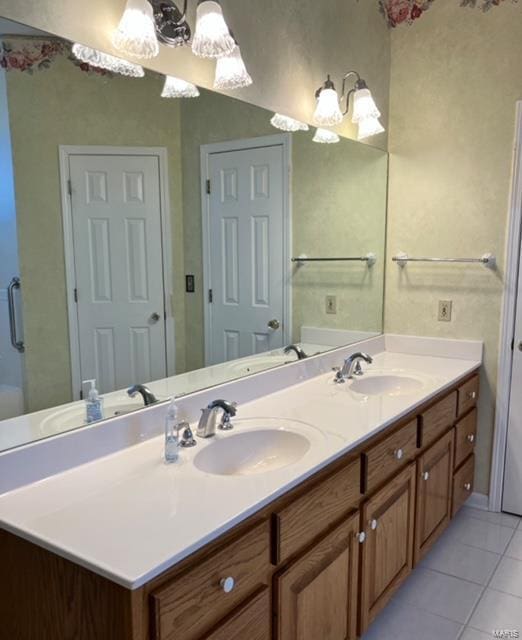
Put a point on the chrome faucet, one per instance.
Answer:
(301, 355)
(209, 418)
(147, 395)
(352, 367)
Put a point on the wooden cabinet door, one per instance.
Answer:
(251, 621)
(387, 553)
(316, 597)
(434, 481)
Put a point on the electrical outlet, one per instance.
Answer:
(331, 305)
(445, 309)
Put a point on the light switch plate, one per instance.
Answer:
(445, 310)
(331, 305)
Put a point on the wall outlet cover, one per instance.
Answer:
(445, 310)
(331, 305)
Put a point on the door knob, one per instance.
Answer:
(274, 325)
(155, 317)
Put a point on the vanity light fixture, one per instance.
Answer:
(136, 33)
(177, 88)
(212, 38)
(324, 136)
(102, 60)
(364, 112)
(285, 123)
(231, 72)
(328, 112)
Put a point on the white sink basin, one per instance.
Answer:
(252, 452)
(386, 385)
(74, 416)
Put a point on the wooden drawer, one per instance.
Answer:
(463, 484)
(389, 456)
(194, 601)
(297, 524)
(465, 436)
(468, 395)
(438, 419)
(251, 621)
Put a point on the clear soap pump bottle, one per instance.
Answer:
(171, 433)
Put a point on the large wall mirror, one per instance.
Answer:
(172, 243)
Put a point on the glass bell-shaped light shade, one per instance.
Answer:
(101, 60)
(286, 123)
(328, 113)
(364, 106)
(136, 34)
(324, 136)
(231, 72)
(177, 88)
(212, 38)
(369, 127)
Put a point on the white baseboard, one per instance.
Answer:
(478, 501)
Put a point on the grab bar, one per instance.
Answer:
(17, 344)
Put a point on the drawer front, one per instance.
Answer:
(313, 512)
(463, 484)
(196, 600)
(468, 395)
(438, 419)
(465, 436)
(389, 456)
(251, 621)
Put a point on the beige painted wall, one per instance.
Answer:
(338, 208)
(64, 106)
(454, 83)
(289, 46)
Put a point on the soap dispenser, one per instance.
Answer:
(93, 404)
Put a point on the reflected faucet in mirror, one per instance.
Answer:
(147, 395)
(352, 367)
(209, 418)
(301, 355)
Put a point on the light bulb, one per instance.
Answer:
(212, 37)
(101, 60)
(326, 137)
(369, 127)
(287, 124)
(136, 33)
(364, 106)
(328, 112)
(231, 72)
(177, 88)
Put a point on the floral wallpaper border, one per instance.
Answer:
(398, 12)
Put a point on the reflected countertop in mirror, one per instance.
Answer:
(154, 239)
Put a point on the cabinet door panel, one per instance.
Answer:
(435, 468)
(387, 556)
(251, 621)
(317, 595)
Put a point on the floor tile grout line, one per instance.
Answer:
(452, 575)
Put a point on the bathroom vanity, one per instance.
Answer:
(314, 549)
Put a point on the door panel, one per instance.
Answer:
(246, 260)
(116, 217)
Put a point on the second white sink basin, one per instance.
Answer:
(386, 385)
(252, 452)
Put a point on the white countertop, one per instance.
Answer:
(129, 516)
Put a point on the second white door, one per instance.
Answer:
(245, 265)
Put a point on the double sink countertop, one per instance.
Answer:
(129, 516)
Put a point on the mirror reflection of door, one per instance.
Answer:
(118, 266)
(245, 230)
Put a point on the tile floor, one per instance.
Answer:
(469, 584)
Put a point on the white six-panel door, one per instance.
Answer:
(245, 261)
(117, 236)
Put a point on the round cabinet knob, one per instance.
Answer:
(426, 476)
(228, 584)
(398, 454)
(472, 395)
(155, 317)
(467, 486)
(373, 524)
(274, 324)
(361, 537)
(471, 438)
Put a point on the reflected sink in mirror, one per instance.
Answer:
(74, 416)
(261, 448)
(386, 385)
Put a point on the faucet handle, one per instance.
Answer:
(187, 438)
(226, 423)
